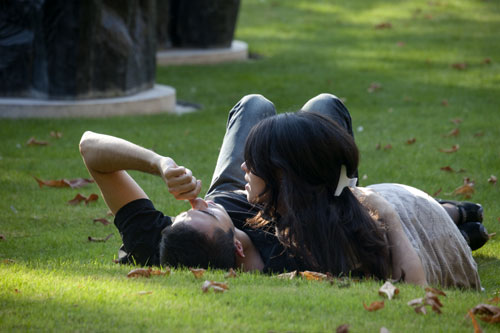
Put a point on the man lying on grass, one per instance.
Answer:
(206, 235)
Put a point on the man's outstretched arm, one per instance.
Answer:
(107, 158)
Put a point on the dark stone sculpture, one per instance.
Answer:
(203, 23)
(60, 49)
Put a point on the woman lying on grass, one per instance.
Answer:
(297, 167)
(321, 224)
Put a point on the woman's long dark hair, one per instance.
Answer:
(299, 157)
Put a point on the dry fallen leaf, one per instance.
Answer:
(477, 328)
(316, 276)
(486, 61)
(411, 141)
(447, 168)
(99, 240)
(2, 237)
(494, 300)
(142, 293)
(453, 132)
(444, 102)
(77, 199)
(287, 276)
(487, 312)
(456, 121)
(102, 220)
(139, 272)
(459, 65)
(478, 134)
(388, 289)
(231, 274)
(437, 192)
(435, 291)
(218, 287)
(8, 261)
(374, 87)
(73, 183)
(492, 179)
(197, 272)
(344, 328)
(383, 25)
(453, 149)
(432, 300)
(388, 146)
(377, 305)
(466, 190)
(34, 142)
(93, 197)
(400, 44)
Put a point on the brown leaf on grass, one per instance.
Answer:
(2, 237)
(411, 141)
(492, 179)
(388, 146)
(139, 272)
(92, 198)
(315, 276)
(8, 261)
(453, 149)
(477, 328)
(478, 134)
(383, 25)
(231, 274)
(142, 293)
(73, 183)
(218, 287)
(433, 301)
(486, 61)
(420, 309)
(377, 305)
(487, 312)
(34, 142)
(444, 102)
(447, 168)
(388, 289)
(79, 182)
(77, 199)
(437, 192)
(102, 220)
(466, 190)
(456, 121)
(378, 146)
(453, 132)
(99, 240)
(197, 272)
(400, 44)
(435, 291)
(374, 87)
(289, 275)
(344, 328)
(52, 183)
(459, 65)
(56, 134)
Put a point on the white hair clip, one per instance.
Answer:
(344, 181)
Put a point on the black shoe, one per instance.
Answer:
(467, 211)
(475, 234)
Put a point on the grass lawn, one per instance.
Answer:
(438, 61)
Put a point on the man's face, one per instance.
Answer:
(254, 186)
(206, 217)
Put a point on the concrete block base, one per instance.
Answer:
(237, 52)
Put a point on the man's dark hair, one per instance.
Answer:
(183, 245)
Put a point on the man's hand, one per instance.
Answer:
(179, 180)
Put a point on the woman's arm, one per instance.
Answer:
(404, 257)
(107, 158)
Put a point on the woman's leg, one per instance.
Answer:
(228, 175)
(331, 106)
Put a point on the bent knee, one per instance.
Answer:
(257, 104)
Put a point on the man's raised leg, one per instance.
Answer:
(228, 175)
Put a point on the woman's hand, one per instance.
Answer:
(180, 181)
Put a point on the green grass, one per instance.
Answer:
(65, 283)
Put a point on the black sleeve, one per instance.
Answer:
(140, 226)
